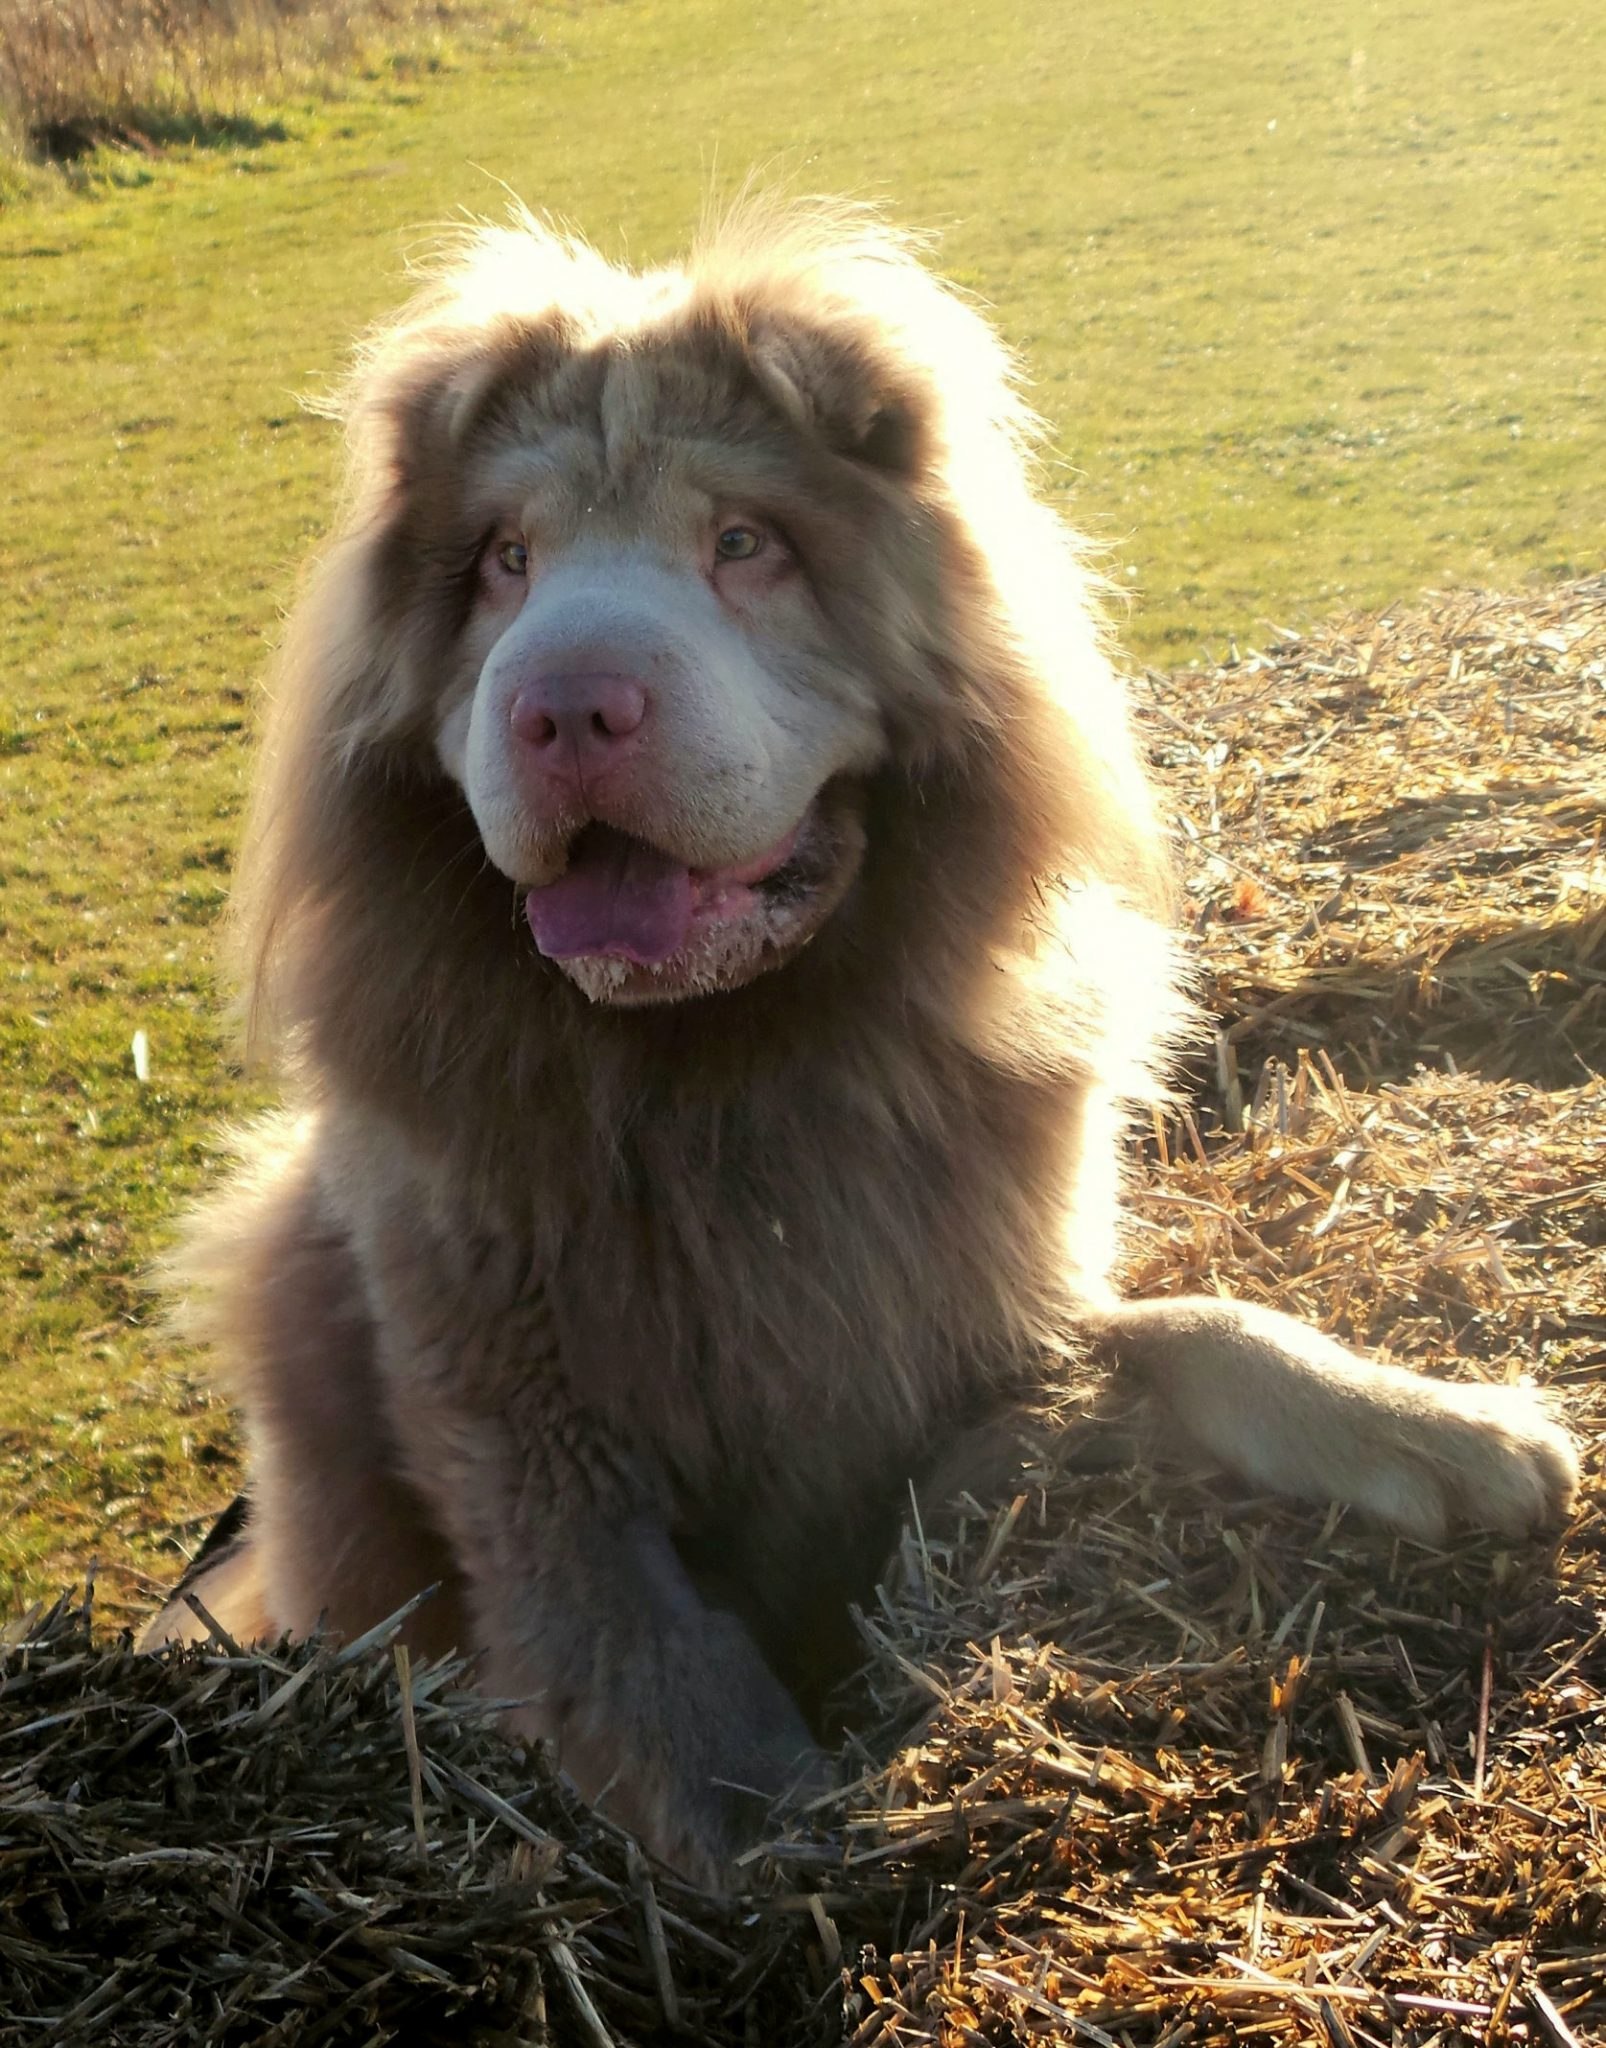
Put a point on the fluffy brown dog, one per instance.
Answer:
(704, 882)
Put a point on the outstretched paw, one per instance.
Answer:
(1487, 1456)
(1292, 1410)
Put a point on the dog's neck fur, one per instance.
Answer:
(751, 1191)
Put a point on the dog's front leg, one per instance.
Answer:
(655, 1702)
(1291, 1410)
(559, 1527)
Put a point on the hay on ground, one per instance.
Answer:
(1136, 1761)
(1392, 831)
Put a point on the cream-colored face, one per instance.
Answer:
(656, 734)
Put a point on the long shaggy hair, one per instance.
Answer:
(703, 891)
(1001, 954)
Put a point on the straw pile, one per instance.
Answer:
(1394, 836)
(230, 1846)
(1137, 1761)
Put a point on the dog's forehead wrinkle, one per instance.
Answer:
(625, 410)
(649, 414)
(640, 388)
(567, 482)
(537, 474)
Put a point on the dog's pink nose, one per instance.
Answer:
(582, 717)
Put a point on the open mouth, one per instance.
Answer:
(622, 899)
(626, 920)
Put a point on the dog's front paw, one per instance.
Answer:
(1488, 1456)
(719, 1754)
(704, 1830)
(1293, 1410)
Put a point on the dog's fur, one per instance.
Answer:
(624, 1290)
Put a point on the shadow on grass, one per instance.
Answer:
(148, 131)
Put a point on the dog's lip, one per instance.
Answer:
(760, 868)
(620, 897)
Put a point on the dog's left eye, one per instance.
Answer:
(738, 544)
(514, 557)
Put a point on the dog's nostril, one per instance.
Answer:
(619, 708)
(531, 717)
(590, 711)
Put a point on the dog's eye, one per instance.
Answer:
(514, 557)
(738, 544)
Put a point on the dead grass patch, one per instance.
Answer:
(75, 74)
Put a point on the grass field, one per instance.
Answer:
(1312, 299)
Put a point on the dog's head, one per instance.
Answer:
(668, 528)
(668, 573)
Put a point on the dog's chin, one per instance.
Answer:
(719, 956)
(738, 928)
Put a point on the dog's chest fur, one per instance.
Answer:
(740, 1296)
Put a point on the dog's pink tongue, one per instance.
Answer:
(618, 898)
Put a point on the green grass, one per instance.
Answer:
(1313, 299)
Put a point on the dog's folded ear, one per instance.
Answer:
(840, 387)
(411, 410)
(513, 362)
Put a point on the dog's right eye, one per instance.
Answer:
(514, 557)
(738, 544)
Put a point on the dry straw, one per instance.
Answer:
(1136, 1761)
(1393, 830)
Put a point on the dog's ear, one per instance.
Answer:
(843, 387)
(421, 401)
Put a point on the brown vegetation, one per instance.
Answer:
(75, 73)
(1393, 832)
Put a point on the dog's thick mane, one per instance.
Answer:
(998, 961)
